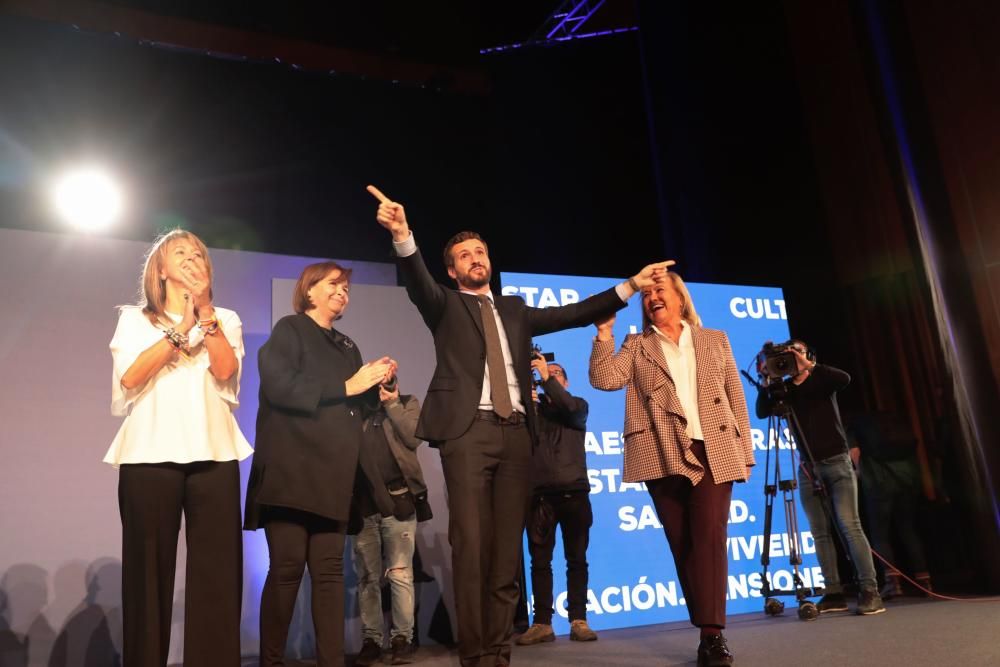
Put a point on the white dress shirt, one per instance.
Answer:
(684, 370)
(182, 414)
(486, 397)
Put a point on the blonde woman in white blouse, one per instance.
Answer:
(177, 361)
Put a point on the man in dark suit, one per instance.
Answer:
(477, 413)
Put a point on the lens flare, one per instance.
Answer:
(89, 199)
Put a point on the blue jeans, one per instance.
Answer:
(837, 475)
(388, 540)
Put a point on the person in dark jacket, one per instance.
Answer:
(825, 471)
(391, 496)
(561, 498)
(884, 449)
(313, 389)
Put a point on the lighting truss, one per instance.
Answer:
(563, 24)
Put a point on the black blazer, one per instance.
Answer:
(560, 462)
(455, 322)
(308, 430)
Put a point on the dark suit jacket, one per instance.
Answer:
(308, 430)
(455, 322)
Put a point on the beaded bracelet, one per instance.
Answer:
(177, 339)
(209, 327)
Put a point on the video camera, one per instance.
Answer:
(777, 361)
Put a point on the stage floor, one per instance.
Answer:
(912, 632)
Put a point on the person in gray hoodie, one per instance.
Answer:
(391, 497)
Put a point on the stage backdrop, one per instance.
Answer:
(60, 568)
(632, 576)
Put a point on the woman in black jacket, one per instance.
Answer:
(313, 388)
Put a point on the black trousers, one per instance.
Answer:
(488, 475)
(295, 538)
(892, 493)
(694, 520)
(573, 514)
(151, 499)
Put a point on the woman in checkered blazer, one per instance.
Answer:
(687, 436)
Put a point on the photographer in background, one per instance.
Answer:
(561, 497)
(884, 449)
(825, 469)
(391, 496)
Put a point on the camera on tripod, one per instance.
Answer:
(776, 365)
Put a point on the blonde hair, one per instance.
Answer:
(152, 288)
(688, 312)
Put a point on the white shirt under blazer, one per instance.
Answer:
(683, 365)
(183, 413)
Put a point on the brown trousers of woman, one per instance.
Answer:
(694, 520)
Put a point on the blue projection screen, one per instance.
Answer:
(632, 576)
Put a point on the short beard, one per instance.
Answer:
(466, 280)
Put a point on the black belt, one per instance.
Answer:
(515, 418)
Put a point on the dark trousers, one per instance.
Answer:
(892, 492)
(694, 520)
(295, 538)
(151, 499)
(488, 475)
(573, 514)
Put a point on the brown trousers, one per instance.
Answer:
(694, 520)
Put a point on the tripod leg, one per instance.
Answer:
(770, 491)
(765, 551)
(807, 609)
(772, 606)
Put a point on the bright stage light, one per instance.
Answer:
(88, 198)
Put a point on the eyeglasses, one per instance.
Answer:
(555, 371)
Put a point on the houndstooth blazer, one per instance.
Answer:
(656, 444)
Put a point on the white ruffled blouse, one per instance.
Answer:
(183, 413)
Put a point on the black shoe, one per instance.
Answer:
(832, 602)
(402, 651)
(869, 602)
(714, 652)
(371, 652)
